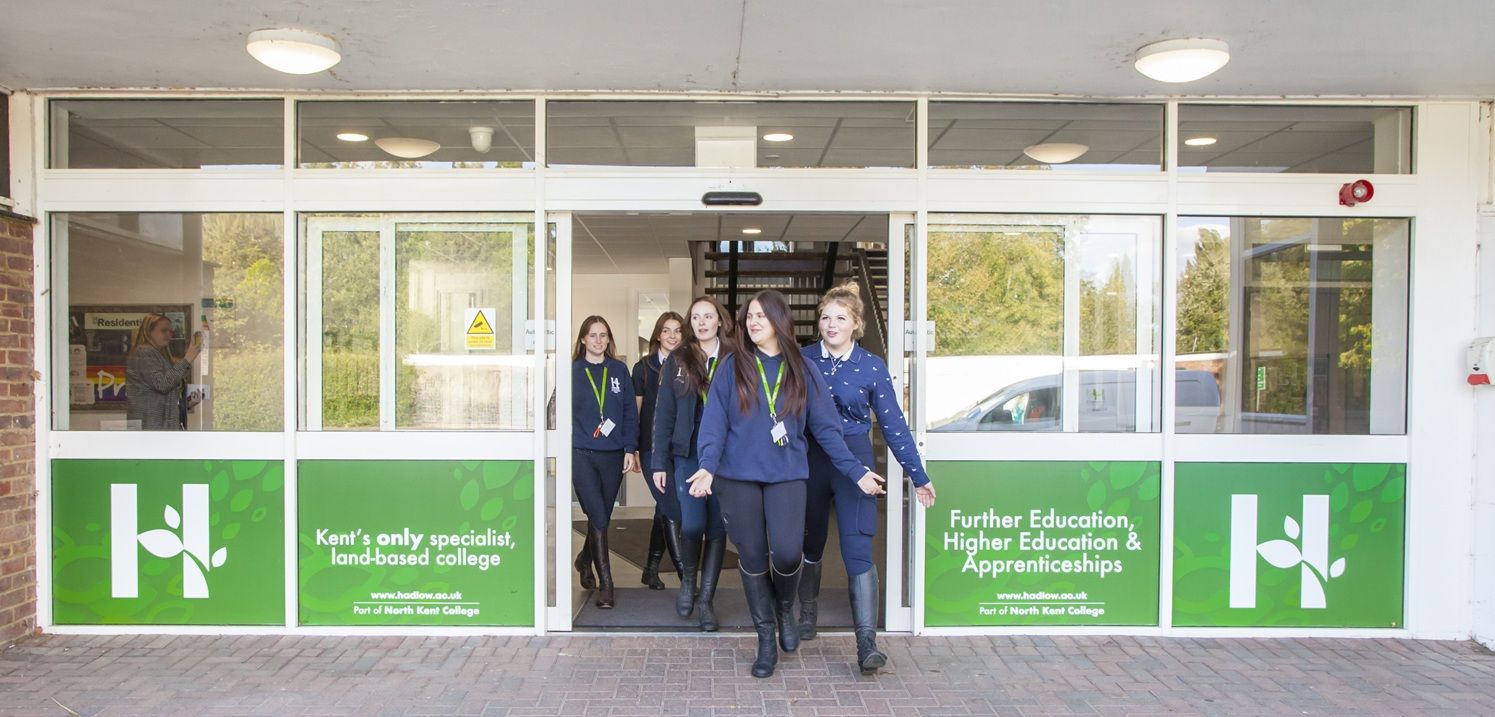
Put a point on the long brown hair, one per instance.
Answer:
(659, 323)
(776, 310)
(586, 327)
(693, 358)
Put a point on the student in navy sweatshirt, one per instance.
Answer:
(604, 436)
(665, 533)
(686, 376)
(754, 458)
(862, 388)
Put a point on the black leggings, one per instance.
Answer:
(596, 477)
(764, 520)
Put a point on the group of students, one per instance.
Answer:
(743, 435)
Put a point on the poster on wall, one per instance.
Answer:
(99, 339)
(1043, 543)
(416, 542)
(164, 542)
(1289, 544)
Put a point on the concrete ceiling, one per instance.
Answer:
(1070, 47)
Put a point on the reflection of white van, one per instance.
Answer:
(1108, 404)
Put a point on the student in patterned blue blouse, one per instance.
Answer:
(861, 387)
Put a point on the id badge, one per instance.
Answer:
(607, 427)
(779, 434)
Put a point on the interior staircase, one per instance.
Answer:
(803, 272)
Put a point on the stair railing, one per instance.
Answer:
(875, 334)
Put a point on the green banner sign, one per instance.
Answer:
(1268, 544)
(168, 542)
(1043, 543)
(416, 542)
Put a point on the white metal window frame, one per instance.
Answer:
(1441, 199)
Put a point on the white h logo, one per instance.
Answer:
(191, 543)
(1311, 555)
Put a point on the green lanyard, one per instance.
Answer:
(771, 394)
(597, 390)
(710, 372)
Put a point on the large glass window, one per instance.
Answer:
(167, 134)
(1260, 138)
(1292, 325)
(411, 135)
(214, 280)
(1048, 136)
(731, 134)
(1047, 323)
(417, 322)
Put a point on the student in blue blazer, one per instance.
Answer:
(686, 376)
(665, 534)
(753, 449)
(861, 388)
(604, 437)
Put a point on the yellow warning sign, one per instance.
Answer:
(480, 334)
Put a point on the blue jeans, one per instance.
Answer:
(698, 516)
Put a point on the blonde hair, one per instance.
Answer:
(848, 295)
(142, 333)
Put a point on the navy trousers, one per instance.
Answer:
(856, 512)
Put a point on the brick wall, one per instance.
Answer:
(17, 430)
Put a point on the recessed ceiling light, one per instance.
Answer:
(407, 147)
(352, 136)
(1183, 60)
(294, 52)
(751, 230)
(1056, 152)
(1200, 141)
(777, 137)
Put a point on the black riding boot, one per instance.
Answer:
(584, 564)
(809, 600)
(672, 543)
(785, 592)
(760, 605)
(604, 562)
(650, 577)
(690, 556)
(711, 570)
(864, 598)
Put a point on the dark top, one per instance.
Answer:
(677, 417)
(617, 405)
(646, 385)
(861, 386)
(740, 446)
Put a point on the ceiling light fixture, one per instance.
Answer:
(352, 136)
(294, 52)
(1056, 152)
(1200, 141)
(407, 147)
(751, 230)
(777, 137)
(482, 138)
(1183, 60)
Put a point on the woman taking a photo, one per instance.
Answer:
(753, 456)
(861, 388)
(687, 375)
(154, 381)
(665, 532)
(604, 436)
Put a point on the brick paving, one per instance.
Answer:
(663, 675)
